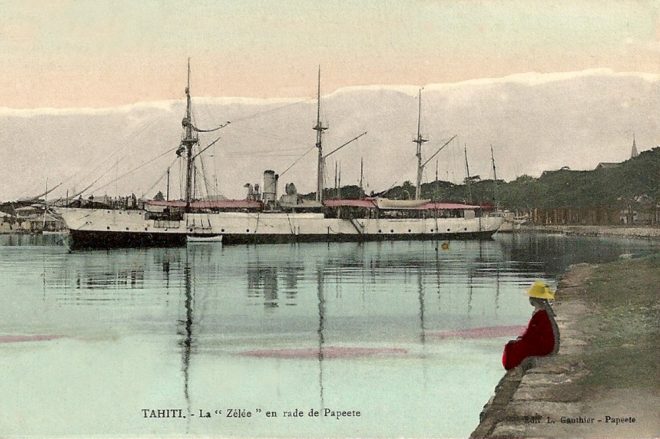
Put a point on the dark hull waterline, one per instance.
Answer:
(81, 239)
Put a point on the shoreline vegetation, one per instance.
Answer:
(605, 379)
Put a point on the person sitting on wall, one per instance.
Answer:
(541, 337)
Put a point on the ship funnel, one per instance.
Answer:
(270, 186)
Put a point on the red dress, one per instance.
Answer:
(537, 340)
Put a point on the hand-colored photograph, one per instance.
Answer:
(329, 219)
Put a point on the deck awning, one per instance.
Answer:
(386, 204)
(210, 204)
(366, 203)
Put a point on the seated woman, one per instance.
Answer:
(542, 334)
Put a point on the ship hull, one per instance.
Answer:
(281, 239)
(91, 239)
(98, 228)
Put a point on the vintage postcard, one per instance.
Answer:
(306, 219)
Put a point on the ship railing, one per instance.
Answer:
(166, 224)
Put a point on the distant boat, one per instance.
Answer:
(511, 223)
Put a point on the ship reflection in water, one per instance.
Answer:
(406, 333)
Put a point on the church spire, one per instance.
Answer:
(634, 152)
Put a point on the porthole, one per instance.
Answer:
(247, 230)
(391, 230)
(126, 228)
(431, 230)
(448, 230)
(145, 229)
(108, 227)
(409, 230)
(190, 230)
(222, 230)
(465, 229)
(380, 231)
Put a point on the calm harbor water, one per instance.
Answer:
(408, 334)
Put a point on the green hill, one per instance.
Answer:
(601, 187)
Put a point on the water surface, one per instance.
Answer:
(406, 333)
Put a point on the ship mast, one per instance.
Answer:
(361, 177)
(492, 159)
(319, 128)
(188, 141)
(467, 179)
(419, 140)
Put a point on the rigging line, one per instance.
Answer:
(267, 151)
(204, 179)
(206, 183)
(139, 130)
(210, 130)
(96, 180)
(298, 159)
(259, 133)
(85, 189)
(205, 148)
(138, 167)
(439, 149)
(159, 178)
(247, 154)
(43, 194)
(199, 130)
(180, 178)
(344, 144)
(272, 110)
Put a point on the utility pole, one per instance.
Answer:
(319, 128)
(419, 140)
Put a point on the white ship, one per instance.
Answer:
(266, 219)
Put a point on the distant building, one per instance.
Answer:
(634, 152)
(608, 165)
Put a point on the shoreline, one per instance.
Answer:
(644, 232)
(603, 380)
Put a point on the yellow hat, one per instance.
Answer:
(541, 290)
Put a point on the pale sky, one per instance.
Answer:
(98, 53)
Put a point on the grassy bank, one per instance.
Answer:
(607, 365)
(626, 327)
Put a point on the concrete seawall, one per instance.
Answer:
(592, 387)
(647, 232)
